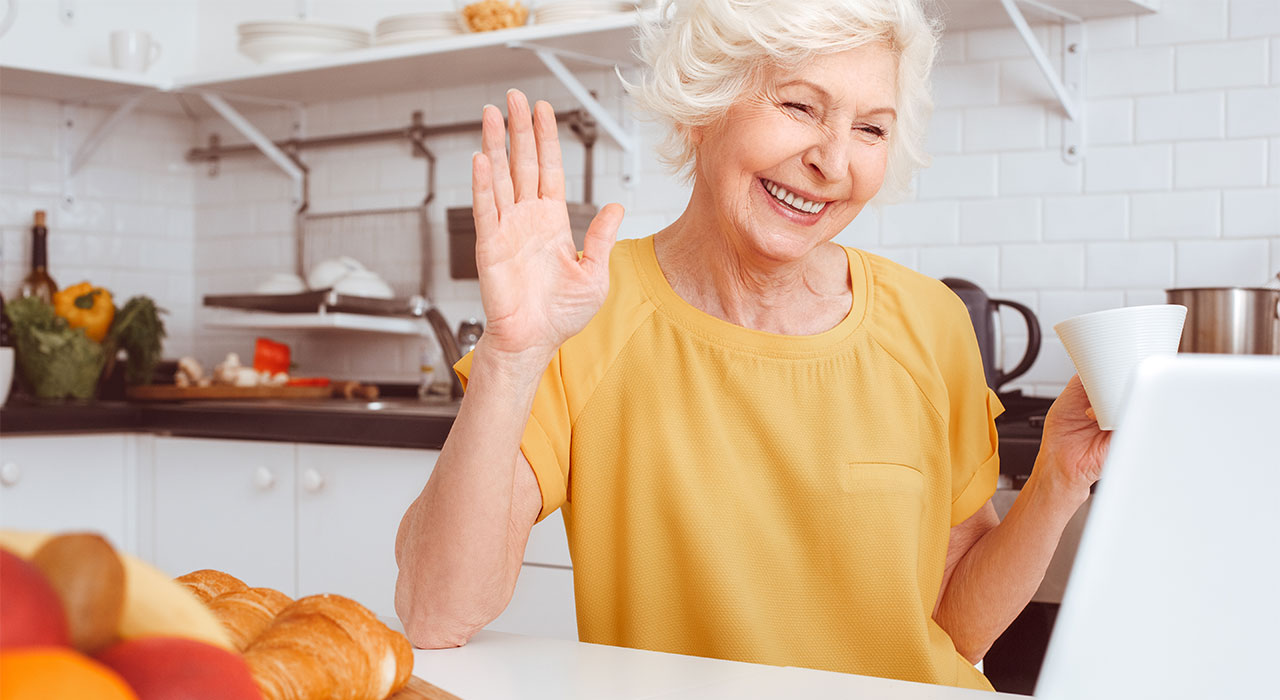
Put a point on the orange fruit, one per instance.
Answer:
(58, 673)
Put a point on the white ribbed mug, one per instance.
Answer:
(1106, 347)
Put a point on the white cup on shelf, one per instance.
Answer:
(133, 50)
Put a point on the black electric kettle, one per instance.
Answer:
(982, 311)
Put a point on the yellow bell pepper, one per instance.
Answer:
(86, 306)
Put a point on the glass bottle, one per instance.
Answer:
(38, 283)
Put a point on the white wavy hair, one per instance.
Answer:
(703, 55)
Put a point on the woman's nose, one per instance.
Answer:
(829, 158)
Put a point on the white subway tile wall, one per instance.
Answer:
(1108, 122)
(1183, 21)
(1253, 111)
(1177, 185)
(1196, 115)
(1175, 215)
(129, 225)
(1254, 18)
(1222, 64)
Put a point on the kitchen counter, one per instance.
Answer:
(387, 423)
(495, 665)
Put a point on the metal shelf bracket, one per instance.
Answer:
(287, 162)
(1067, 87)
(627, 138)
(72, 162)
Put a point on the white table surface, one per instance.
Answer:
(501, 666)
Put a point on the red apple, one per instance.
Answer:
(30, 611)
(171, 668)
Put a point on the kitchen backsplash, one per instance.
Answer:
(132, 224)
(1179, 185)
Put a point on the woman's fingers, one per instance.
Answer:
(601, 235)
(550, 168)
(483, 208)
(493, 140)
(524, 154)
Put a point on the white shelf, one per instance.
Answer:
(75, 84)
(464, 59)
(959, 15)
(226, 318)
(450, 61)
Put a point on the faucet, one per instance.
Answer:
(449, 345)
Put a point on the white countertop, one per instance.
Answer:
(500, 666)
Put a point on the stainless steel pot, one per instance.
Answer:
(1231, 320)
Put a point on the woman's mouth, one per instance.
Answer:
(791, 200)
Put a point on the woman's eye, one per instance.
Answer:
(872, 130)
(798, 107)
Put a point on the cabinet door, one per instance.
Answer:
(69, 482)
(350, 501)
(226, 505)
(542, 604)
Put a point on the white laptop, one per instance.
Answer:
(1175, 591)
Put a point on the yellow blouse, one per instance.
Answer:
(775, 499)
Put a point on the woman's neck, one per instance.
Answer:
(718, 275)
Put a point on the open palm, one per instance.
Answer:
(536, 290)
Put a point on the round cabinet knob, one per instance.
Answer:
(263, 479)
(10, 473)
(312, 480)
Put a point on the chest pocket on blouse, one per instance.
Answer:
(889, 497)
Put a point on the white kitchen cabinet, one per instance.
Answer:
(542, 604)
(70, 482)
(227, 505)
(350, 501)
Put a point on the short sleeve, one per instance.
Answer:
(546, 436)
(973, 409)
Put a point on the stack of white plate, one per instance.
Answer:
(416, 27)
(572, 10)
(272, 42)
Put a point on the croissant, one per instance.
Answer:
(208, 584)
(247, 613)
(328, 646)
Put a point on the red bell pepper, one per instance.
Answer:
(270, 356)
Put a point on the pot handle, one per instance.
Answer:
(1033, 342)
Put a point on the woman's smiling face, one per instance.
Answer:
(788, 167)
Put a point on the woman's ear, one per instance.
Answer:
(695, 134)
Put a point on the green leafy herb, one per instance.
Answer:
(138, 329)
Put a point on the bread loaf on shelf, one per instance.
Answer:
(208, 584)
(246, 614)
(328, 646)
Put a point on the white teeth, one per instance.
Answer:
(792, 199)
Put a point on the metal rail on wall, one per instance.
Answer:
(311, 230)
(285, 153)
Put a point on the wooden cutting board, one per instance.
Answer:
(170, 392)
(418, 689)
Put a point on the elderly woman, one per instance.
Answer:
(766, 447)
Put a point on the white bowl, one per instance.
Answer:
(293, 48)
(281, 283)
(302, 28)
(326, 273)
(363, 283)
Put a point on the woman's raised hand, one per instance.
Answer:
(535, 290)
